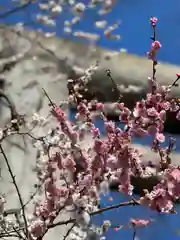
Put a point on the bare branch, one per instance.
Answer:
(15, 10)
(16, 187)
(134, 233)
(11, 105)
(73, 220)
(68, 232)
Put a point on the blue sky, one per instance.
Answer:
(134, 30)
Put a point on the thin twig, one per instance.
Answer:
(50, 101)
(73, 220)
(115, 86)
(11, 105)
(68, 232)
(134, 233)
(175, 82)
(16, 187)
(15, 10)
(18, 233)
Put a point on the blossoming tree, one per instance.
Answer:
(71, 174)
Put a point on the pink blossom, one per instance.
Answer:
(58, 159)
(109, 126)
(165, 105)
(151, 55)
(112, 162)
(99, 146)
(123, 118)
(45, 209)
(120, 106)
(86, 180)
(174, 107)
(140, 104)
(50, 186)
(116, 229)
(152, 130)
(173, 181)
(178, 116)
(83, 112)
(175, 174)
(156, 45)
(136, 113)
(153, 21)
(83, 162)
(158, 199)
(37, 228)
(95, 132)
(62, 192)
(100, 107)
(162, 115)
(73, 136)
(126, 189)
(126, 111)
(58, 113)
(69, 164)
(152, 112)
(97, 163)
(140, 222)
(123, 161)
(82, 133)
(160, 137)
(123, 176)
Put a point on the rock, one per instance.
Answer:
(130, 72)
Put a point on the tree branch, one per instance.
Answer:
(68, 232)
(11, 105)
(73, 220)
(15, 10)
(16, 187)
(134, 233)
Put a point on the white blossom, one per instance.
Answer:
(67, 30)
(52, 4)
(110, 55)
(104, 187)
(123, 50)
(86, 35)
(79, 8)
(38, 120)
(43, 6)
(49, 34)
(75, 20)
(100, 24)
(83, 218)
(1, 134)
(108, 31)
(67, 23)
(56, 9)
